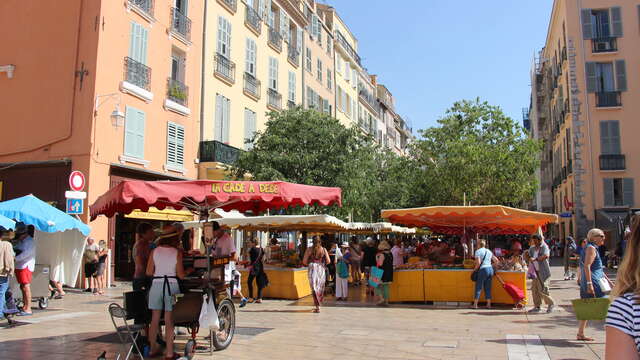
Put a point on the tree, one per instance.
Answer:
(479, 151)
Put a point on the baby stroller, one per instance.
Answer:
(10, 307)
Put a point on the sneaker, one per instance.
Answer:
(535, 310)
(243, 302)
(88, 290)
(23, 313)
(550, 309)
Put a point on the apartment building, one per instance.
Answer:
(584, 104)
(253, 64)
(110, 88)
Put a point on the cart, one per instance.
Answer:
(39, 288)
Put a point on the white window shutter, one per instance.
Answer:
(217, 131)
(171, 143)
(299, 36)
(226, 120)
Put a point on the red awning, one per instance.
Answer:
(198, 195)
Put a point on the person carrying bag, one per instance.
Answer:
(256, 271)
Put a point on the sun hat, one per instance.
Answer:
(384, 245)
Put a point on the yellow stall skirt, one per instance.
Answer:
(284, 283)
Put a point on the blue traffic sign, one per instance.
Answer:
(75, 206)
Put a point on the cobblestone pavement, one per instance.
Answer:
(78, 327)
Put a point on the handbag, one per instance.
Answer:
(474, 274)
(591, 309)
(605, 285)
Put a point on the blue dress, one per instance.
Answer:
(597, 273)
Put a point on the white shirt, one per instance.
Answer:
(225, 246)
(27, 258)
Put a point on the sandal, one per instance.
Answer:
(583, 338)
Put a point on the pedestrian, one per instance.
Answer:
(570, 248)
(538, 257)
(316, 258)
(342, 273)
(368, 261)
(101, 266)
(333, 252)
(225, 247)
(165, 267)
(25, 263)
(355, 260)
(256, 271)
(91, 251)
(398, 253)
(484, 266)
(623, 321)
(145, 236)
(7, 266)
(591, 273)
(384, 261)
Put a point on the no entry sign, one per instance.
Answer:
(76, 181)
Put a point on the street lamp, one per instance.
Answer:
(117, 116)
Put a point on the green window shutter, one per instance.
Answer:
(587, 25)
(217, 131)
(616, 21)
(621, 75)
(592, 79)
(608, 191)
(627, 191)
(140, 134)
(133, 33)
(130, 131)
(138, 43)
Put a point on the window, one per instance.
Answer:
(284, 26)
(299, 40)
(319, 70)
(224, 37)
(178, 64)
(273, 73)
(606, 77)
(292, 86)
(347, 71)
(175, 145)
(250, 57)
(354, 78)
(329, 79)
(222, 120)
(308, 58)
(618, 191)
(601, 23)
(315, 26)
(609, 137)
(348, 105)
(339, 65)
(138, 43)
(326, 107)
(134, 133)
(250, 127)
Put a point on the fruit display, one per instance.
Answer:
(415, 265)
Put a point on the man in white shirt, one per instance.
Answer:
(224, 246)
(25, 265)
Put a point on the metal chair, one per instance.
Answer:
(128, 333)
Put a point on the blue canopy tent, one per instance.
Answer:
(7, 223)
(59, 237)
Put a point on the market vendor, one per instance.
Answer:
(274, 251)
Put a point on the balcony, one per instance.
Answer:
(345, 45)
(177, 92)
(252, 20)
(180, 24)
(293, 56)
(612, 162)
(225, 69)
(604, 44)
(231, 5)
(145, 5)
(608, 99)
(275, 39)
(216, 151)
(251, 86)
(137, 73)
(274, 99)
(368, 99)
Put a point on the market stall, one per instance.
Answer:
(447, 279)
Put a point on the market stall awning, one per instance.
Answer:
(201, 195)
(322, 223)
(492, 219)
(7, 223)
(378, 228)
(44, 217)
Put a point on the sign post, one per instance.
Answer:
(75, 197)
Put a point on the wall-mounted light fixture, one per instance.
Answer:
(117, 116)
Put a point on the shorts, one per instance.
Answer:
(156, 298)
(90, 269)
(100, 268)
(24, 276)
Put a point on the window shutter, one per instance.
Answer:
(171, 143)
(217, 131)
(605, 139)
(616, 21)
(614, 137)
(592, 79)
(299, 37)
(608, 191)
(247, 57)
(140, 134)
(347, 71)
(251, 57)
(220, 45)
(627, 191)
(587, 26)
(226, 123)
(132, 39)
(292, 86)
(621, 75)
(130, 131)
(249, 128)
(144, 35)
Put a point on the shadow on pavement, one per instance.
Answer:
(73, 346)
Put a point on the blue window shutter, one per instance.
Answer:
(627, 191)
(144, 35)
(616, 21)
(587, 25)
(608, 191)
(592, 78)
(133, 34)
(621, 75)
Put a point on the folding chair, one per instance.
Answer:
(128, 333)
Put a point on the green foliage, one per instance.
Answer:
(477, 150)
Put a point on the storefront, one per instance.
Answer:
(47, 180)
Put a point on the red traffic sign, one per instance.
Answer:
(76, 181)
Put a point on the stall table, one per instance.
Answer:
(284, 283)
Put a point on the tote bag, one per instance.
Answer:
(591, 309)
(375, 278)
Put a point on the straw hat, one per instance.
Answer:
(384, 245)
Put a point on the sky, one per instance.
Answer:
(431, 53)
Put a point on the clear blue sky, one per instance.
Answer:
(431, 53)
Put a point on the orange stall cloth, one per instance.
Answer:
(456, 220)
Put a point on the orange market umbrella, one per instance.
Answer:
(490, 219)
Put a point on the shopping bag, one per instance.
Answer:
(209, 316)
(342, 269)
(375, 277)
(591, 309)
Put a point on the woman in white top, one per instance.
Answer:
(165, 266)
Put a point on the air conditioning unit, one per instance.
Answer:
(602, 46)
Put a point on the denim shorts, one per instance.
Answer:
(156, 297)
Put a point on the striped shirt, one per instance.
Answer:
(624, 315)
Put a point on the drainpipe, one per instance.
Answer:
(202, 74)
(302, 64)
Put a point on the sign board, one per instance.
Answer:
(567, 214)
(76, 181)
(75, 206)
(75, 194)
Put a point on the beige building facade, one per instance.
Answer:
(584, 107)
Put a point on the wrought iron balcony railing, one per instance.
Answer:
(612, 162)
(180, 24)
(293, 55)
(345, 45)
(144, 5)
(225, 68)
(275, 39)
(216, 151)
(251, 85)
(608, 99)
(274, 99)
(177, 91)
(137, 73)
(604, 44)
(252, 19)
(231, 4)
